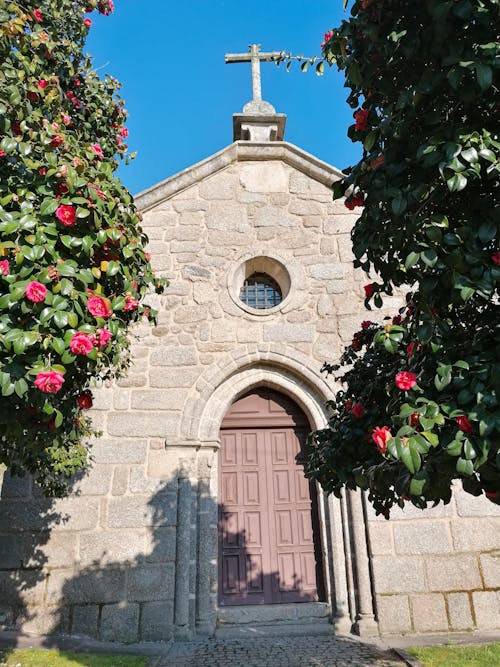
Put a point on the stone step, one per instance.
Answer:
(304, 613)
(320, 627)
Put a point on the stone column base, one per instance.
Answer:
(366, 626)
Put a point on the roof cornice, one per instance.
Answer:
(239, 151)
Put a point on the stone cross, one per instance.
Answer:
(255, 56)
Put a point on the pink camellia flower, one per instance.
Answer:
(361, 118)
(66, 214)
(87, 23)
(98, 307)
(49, 381)
(495, 258)
(124, 132)
(2, 153)
(405, 380)
(326, 38)
(42, 84)
(369, 290)
(66, 119)
(102, 337)
(35, 291)
(81, 343)
(464, 424)
(380, 436)
(38, 15)
(130, 303)
(97, 150)
(84, 400)
(4, 267)
(358, 410)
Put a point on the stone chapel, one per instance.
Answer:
(195, 513)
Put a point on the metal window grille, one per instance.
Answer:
(260, 291)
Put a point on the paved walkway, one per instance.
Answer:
(284, 651)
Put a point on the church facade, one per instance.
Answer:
(195, 512)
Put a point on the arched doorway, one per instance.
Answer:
(269, 546)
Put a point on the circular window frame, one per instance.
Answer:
(271, 266)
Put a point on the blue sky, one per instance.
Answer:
(181, 95)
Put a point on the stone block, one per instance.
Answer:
(146, 399)
(264, 177)
(476, 534)
(329, 271)
(380, 539)
(94, 481)
(151, 484)
(185, 246)
(490, 567)
(429, 612)
(148, 582)
(459, 611)
(486, 608)
(50, 549)
(220, 186)
(422, 537)
(393, 613)
(11, 551)
(121, 399)
(96, 584)
(288, 333)
(120, 480)
(398, 575)
(477, 506)
(13, 486)
(108, 547)
(340, 224)
(85, 621)
(157, 621)
(120, 622)
(20, 588)
(173, 377)
(43, 620)
(138, 512)
(149, 424)
(452, 573)
(160, 545)
(272, 218)
(174, 356)
(227, 216)
(119, 451)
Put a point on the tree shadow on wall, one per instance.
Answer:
(26, 522)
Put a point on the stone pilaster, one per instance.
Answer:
(182, 557)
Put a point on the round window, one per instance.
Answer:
(259, 285)
(260, 291)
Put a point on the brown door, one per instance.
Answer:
(267, 516)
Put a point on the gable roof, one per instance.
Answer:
(236, 152)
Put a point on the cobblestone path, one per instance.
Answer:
(304, 651)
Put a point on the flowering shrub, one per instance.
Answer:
(73, 271)
(424, 81)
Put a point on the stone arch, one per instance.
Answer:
(220, 386)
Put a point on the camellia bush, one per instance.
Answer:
(73, 270)
(419, 405)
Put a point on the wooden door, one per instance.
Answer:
(267, 549)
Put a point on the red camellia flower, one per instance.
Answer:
(369, 290)
(405, 380)
(365, 324)
(361, 118)
(326, 38)
(35, 291)
(42, 84)
(396, 319)
(97, 150)
(49, 381)
(66, 214)
(2, 153)
(409, 349)
(130, 303)
(32, 96)
(38, 15)
(81, 343)
(380, 436)
(495, 258)
(99, 307)
(358, 410)
(57, 141)
(348, 405)
(464, 424)
(84, 400)
(4, 267)
(414, 419)
(87, 22)
(355, 200)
